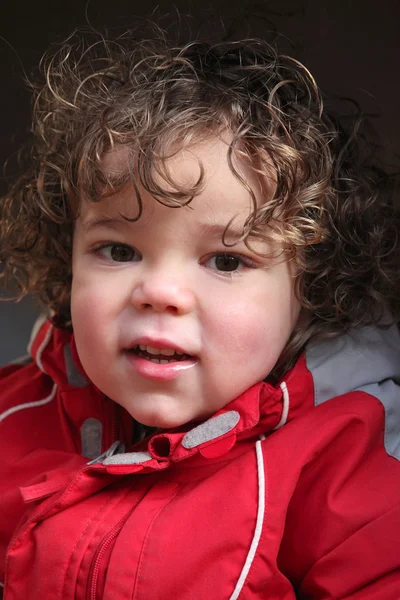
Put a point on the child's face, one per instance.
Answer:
(167, 283)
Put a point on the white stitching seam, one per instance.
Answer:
(259, 521)
(42, 318)
(285, 408)
(14, 409)
(42, 347)
(48, 398)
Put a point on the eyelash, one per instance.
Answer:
(245, 261)
(97, 248)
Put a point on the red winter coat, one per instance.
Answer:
(290, 491)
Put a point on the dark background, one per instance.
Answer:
(350, 46)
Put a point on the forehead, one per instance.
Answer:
(230, 182)
(180, 159)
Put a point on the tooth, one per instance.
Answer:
(164, 362)
(167, 351)
(142, 347)
(152, 350)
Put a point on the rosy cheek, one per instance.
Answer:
(235, 328)
(256, 323)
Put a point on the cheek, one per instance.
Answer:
(236, 327)
(91, 312)
(94, 338)
(94, 294)
(82, 302)
(253, 324)
(84, 319)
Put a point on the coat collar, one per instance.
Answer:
(261, 409)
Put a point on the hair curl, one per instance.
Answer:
(334, 214)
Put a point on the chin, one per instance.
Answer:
(159, 416)
(160, 421)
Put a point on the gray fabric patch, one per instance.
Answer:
(211, 429)
(129, 458)
(388, 392)
(368, 360)
(74, 376)
(91, 437)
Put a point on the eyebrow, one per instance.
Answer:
(210, 230)
(109, 222)
(218, 229)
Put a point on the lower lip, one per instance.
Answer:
(160, 371)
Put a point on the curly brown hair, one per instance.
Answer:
(334, 214)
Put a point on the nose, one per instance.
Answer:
(161, 294)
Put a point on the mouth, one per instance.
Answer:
(161, 361)
(161, 356)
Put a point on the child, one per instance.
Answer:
(211, 409)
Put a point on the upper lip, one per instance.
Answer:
(158, 343)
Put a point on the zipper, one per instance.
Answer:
(50, 503)
(93, 577)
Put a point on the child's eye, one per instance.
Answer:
(224, 262)
(118, 253)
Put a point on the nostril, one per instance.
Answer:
(169, 308)
(162, 296)
(172, 309)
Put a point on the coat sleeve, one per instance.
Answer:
(342, 531)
